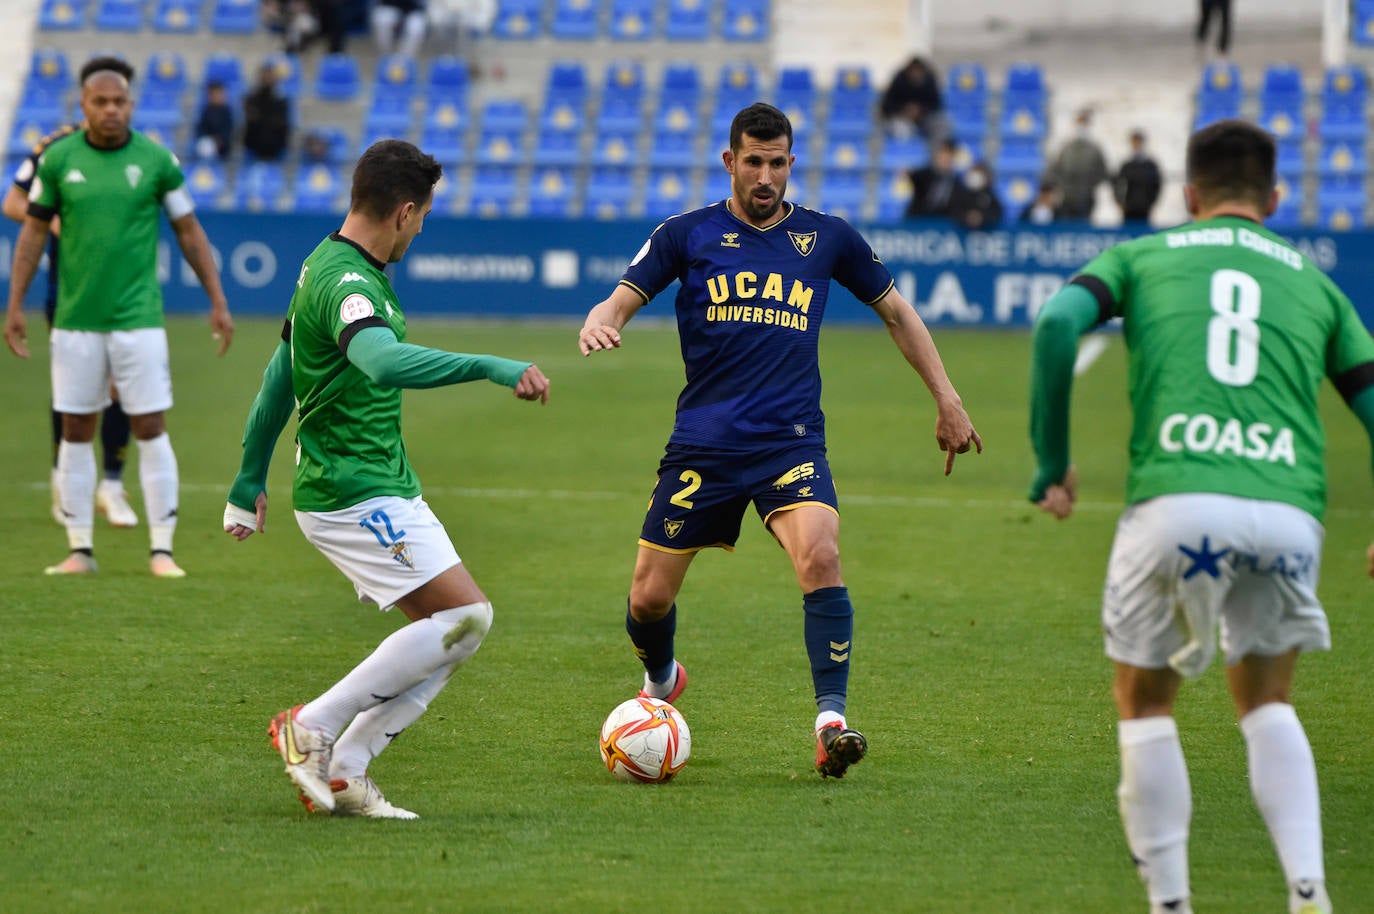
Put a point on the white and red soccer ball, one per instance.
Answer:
(645, 739)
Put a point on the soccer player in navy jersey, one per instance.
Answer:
(755, 273)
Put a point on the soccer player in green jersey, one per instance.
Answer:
(1230, 332)
(342, 364)
(109, 185)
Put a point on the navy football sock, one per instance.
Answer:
(653, 642)
(114, 439)
(829, 630)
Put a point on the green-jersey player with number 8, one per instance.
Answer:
(1230, 331)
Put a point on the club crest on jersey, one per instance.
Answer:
(803, 241)
(400, 551)
(729, 240)
(800, 430)
(133, 173)
(672, 528)
(355, 307)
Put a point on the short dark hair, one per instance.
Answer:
(106, 62)
(761, 121)
(390, 173)
(1232, 160)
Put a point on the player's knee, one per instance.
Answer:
(819, 565)
(649, 603)
(466, 625)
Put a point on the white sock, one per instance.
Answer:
(829, 717)
(374, 729)
(76, 477)
(406, 658)
(1283, 779)
(1156, 804)
(157, 472)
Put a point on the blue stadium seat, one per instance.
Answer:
(1340, 212)
(681, 86)
(1022, 123)
(260, 187)
(715, 185)
(632, 20)
(1016, 193)
(553, 146)
(206, 183)
(118, 15)
(675, 118)
(226, 69)
(396, 75)
(736, 87)
(336, 141)
(165, 71)
(551, 192)
(561, 115)
(1281, 90)
(63, 15)
(843, 193)
(1219, 93)
(687, 20)
(846, 155)
(449, 79)
(667, 192)
(1025, 87)
(852, 104)
(610, 193)
(338, 79)
(1020, 157)
(1342, 166)
(160, 110)
(795, 89)
(966, 100)
(1288, 214)
(287, 68)
(745, 20)
(177, 17)
(445, 193)
(234, 17)
(903, 153)
(567, 84)
(518, 19)
(394, 113)
(505, 115)
(318, 188)
(49, 72)
(673, 149)
(493, 191)
(26, 133)
(1345, 96)
(1362, 24)
(575, 19)
(367, 136)
(622, 98)
(445, 143)
(40, 105)
(894, 193)
(499, 147)
(617, 149)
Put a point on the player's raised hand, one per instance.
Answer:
(240, 524)
(533, 385)
(594, 339)
(1060, 497)
(222, 328)
(955, 434)
(16, 334)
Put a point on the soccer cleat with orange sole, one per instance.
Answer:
(306, 753)
(674, 693)
(838, 747)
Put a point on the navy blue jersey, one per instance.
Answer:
(749, 317)
(23, 179)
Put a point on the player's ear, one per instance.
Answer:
(1190, 199)
(404, 213)
(728, 157)
(1272, 203)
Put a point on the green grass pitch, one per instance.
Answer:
(138, 776)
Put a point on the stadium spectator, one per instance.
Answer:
(912, 102)
(398, 26)
(1078, 169)
(1225, 492)
(107, 184)
(1221, 9)
(215, 124)
(749, 426)
(110, 496)
(266, 117)
(461, 25)
(1138, 182)
(315, 148)
(935, 185)
(974, 203)
(1044, 209)
(300, 22)
(346, 364)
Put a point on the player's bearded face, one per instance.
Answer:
(759, 170)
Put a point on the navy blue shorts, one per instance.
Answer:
(701, 494)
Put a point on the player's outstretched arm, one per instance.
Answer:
(954, 431)
(245, 511)
(1069, 313)
(1362, 405)
(28, 251)
(601, 329)
(195, 247)
(386, 360)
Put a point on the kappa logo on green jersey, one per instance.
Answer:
(352, 277)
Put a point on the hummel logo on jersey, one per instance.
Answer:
(74, 177)
(352, 277)
(839, 651)
(803, 241)
(730, 240)
(804, 491)
(132, 173)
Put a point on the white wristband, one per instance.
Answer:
(234, 515)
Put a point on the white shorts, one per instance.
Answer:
(387, 546)
(85, 362)
(1182, 563)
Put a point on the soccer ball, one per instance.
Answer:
(645, 739)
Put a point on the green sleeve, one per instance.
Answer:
(1363, 406)
(389, 362)
(1054, 344)
(271, 410)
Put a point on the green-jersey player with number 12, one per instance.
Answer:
(1230, 331)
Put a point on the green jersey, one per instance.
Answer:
(110, 202)
(349, 445)
(1230, 332)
